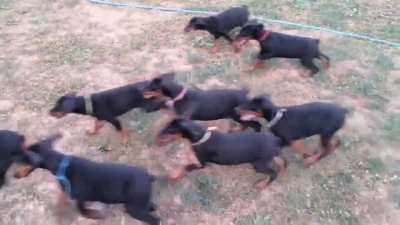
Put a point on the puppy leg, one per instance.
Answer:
(98, 124)
(216, 48)
(24, 171)
(124, 134)
(299, 147)
(281, 165)
(265, 168)
(89, 213)
(4, 165)
(137, 212)
(308, 62)
(324, 58)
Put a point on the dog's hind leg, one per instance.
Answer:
(141, 214)
(4, 165)
(324, 58)
(123, 133)
(265, 168)
(308, 62)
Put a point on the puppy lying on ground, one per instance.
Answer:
(295, 123)
(86, 181)
(198, 104)
(221, 24)
(280, 45)
(107, 106)
(262, 150)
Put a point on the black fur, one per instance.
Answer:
(300, 121)
(108, 183)
(258, 149)
(11, 150)
(108, 105)
(221, 24)
(285, 46)
(203, 105)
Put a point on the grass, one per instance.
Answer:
(330, 15)
(205, 193)
(254, 219)
(68, 50)
(376, 165)
(392, 127)
(332, 196)
(194, 57)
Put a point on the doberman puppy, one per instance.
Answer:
(262, 150)
(198, 104)
(295, 123)
(275, 44)
(107, 105)
(221, 24)
(86, 181)
(12, 145)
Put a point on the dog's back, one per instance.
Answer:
(231, 18)
(107, 182)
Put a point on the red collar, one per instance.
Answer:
(265, 35)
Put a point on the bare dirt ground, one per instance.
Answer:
(48, 48)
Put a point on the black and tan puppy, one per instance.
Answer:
(295, 123)
(86, 181)
(262, 150)
(107, 105)
(12, 145)
(221, 24)
(198, 104)
(280, 45)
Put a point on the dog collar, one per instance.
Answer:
(180, 96)
(205, 137)
(61, 175)
(88, 105)
(265, 35)
(276, 118)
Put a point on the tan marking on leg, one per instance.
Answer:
(216, 47)
(98, 124)
(125, 134)
(24, 171)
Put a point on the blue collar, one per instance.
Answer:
(61, 175)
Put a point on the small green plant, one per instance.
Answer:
(384, 62)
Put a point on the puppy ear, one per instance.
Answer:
(259, 27)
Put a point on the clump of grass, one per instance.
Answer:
(384, 62)
(392, 127)
(205, 193)
(203, 41)
(68, 51)
(370, 87)
(195, 57)
(329, 14)
(331, 198)
(376, 165)
(255, 219)
(201, 74)
(391, 32)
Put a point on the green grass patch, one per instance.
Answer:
(329, 14)
(391, 32)
(70, 50)
(332, 196)
(392, 127)
(195, 57)
(205, 193)
(255, 219)
(384, 62)
(376, 165)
